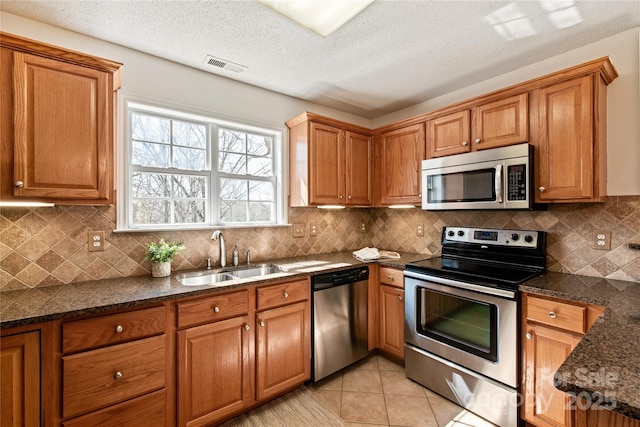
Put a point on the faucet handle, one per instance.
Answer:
(248, 256)
(208, 263)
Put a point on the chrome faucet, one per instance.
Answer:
(223, 251)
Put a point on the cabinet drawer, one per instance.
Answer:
(391, 276)
(284, 293)
(145, 411)
(558, 314)
(113, 329)
(213, 308)
(98, 378)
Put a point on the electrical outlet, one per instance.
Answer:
(420, 230)
(313, 229)
(363, 227)
(95, 241)
(601, 240)
(298, 230)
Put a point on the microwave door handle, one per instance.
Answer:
(499, 183)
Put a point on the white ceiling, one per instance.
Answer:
(394, 54)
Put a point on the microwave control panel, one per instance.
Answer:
(517, 182)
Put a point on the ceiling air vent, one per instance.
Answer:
(224, 64)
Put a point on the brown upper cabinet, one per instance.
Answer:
(330, 162)
(57, 118)
(399, 155)
(490, 125)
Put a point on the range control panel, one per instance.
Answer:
(519, 238)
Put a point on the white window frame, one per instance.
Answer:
(124, 220)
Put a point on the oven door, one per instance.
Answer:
(468, 327)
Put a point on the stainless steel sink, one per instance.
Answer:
(204, 279)
(220, 277)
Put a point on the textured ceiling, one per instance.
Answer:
(392, 55)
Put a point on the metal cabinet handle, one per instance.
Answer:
(542, 189)
(552, 314)
(349, 197)
(262, 323)
(119, 329)
(465, 143)
(341, 197)
(399, 297)
(216, 309)
(390, 277)
(246, 327)
(19, 184)
(528, 335)
(117, 375)
(477, 140)
(285, 294)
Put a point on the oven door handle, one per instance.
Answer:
(463, 285)
(499, 184)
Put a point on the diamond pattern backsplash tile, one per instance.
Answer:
(48, 246)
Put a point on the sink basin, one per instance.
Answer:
(261, 270)
(220, 277)
(204, 279)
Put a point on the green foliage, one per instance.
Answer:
(162, 251)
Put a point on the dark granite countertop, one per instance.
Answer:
(30, 306)
(604, 367)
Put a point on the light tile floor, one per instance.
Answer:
(376, 391)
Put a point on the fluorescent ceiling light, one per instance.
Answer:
(321, 16)
(25, 204)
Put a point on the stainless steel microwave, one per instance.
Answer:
(497, 178)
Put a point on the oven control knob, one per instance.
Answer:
(450, 233)
(515, 237)
(528, 238)
(460, 233)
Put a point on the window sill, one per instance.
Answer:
(218, 227)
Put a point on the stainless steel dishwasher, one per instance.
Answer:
(340, 333)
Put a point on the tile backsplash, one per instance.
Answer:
(47, 246)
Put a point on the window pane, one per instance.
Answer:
(150, 154)
(233, 141)
(233, 211)
(260, 211)
(259, 190)
(150, 185)
(149, 128)
(259, 145)
(190, 134)
(259, 166)
(190, 211)
(189, 187)
(232, 163)
(233, 189)
(151, 212)
(189, 158)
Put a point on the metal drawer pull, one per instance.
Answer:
(399, 297)
(262, 323)
(552, 314)
(390, 277)
(216, 309)
(285, 294)
(117, 375)
(119, 329)
(246, 327)
(19, 184)
(528, 335)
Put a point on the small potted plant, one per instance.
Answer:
(161, 255)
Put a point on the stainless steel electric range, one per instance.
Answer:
(462, 317)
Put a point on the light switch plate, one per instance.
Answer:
(298, 230)
(95, 241)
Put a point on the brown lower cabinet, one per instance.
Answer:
(391, 327)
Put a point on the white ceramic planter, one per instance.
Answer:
(160, 269)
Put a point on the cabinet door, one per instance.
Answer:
(63, 130)
(20, 386)
(500, 123)
(545, 350)
(326, 165)
(449, 134)
(400, 155)
(565, 161)
(359, 156)
(392, 320)
(214, 371)
(283, 349)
